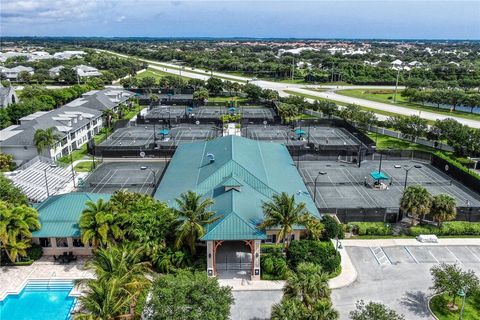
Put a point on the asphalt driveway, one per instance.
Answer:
(399, 276)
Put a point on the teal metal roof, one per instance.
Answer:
(59, 214)
(260, 169)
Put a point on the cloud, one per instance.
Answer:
(120, 19)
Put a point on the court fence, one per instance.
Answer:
(346, 215)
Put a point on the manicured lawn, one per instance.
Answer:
(224, 99)
(376, 111)
(386, 142)
(132, 112)
(386, 96)
(157, 74)
(86, 166)
(438, 304)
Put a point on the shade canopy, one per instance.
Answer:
(299, 132)
(164, 131)
(379, 175)
(232, 109)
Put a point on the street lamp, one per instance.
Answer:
(143, 168)
(407, 169)
(46, 180)
(321, 173)
(462, 293)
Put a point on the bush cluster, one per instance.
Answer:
(454, 228)
(332, 228)
(372, 228)
(322, 253)
(273, 263)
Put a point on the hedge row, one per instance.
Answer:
(457, 164)
(322, 253)
(454, 228)
(371, 228)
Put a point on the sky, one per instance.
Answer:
(359, 19)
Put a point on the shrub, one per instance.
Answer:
(372, 228)
(35, 252)
(332, 228)
(273, 263)
(454, 228)
(322, 253)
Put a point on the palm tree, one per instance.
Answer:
(308, 284)
(47, 138)
(444, 208)
(323, 310)
(416, 200)
(122, 268)
(99, 225)
(283, 213)
(103, 300)
(108, 115)
(195, 216)
(288, 309)
(16, 226)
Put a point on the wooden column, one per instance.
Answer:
(216, 244)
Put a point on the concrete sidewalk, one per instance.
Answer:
(248, 285)
(348, 274)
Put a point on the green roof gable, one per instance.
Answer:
(261, 169)
(59, 214)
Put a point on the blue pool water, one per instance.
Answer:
(39, 301)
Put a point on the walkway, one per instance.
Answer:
(13, 278)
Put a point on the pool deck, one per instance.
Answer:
(14, 278)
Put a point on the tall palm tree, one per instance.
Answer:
(47, 138)
(444, 208)
(416, 200)
(99, 224)
(16, 226)
(194, 216)
(283, 213)
(309, 284)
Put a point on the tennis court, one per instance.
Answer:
(320, 135)
(137, 136)
(166, 112)
(185, 133)
(134, 176)
(342, 185)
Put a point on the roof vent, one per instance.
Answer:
(211, 156)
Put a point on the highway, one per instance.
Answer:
(303, 89)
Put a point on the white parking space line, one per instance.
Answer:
(432, 255)
(456, 258)
(473, 254)
(411, 255)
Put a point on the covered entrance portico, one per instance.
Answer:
(227, 259)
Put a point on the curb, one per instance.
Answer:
(343, 277)
(428, 305)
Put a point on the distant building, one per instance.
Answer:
(76, 122)
(12, 73)
(84, 71)
(55, 71)
(68, 54)
(7, 96)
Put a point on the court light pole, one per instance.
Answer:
(320, 173)
(46, 180)
(407, 169)
(143, 168)
(462, 293)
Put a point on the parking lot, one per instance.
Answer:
(399, 276)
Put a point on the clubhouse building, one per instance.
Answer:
(239, 174)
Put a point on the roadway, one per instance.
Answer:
(202, 74)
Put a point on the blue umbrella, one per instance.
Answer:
(232, 109)
(379, 175)
(299, 132)
(190, 109)
(164, 132)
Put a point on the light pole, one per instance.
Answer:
(407, 169)
(321, 173)
(46, 180)
(73, 171)
(143, 168)
(462, 293)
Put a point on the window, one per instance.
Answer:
(77, 243)
(62, 242)
(271, 238)
(45, 242)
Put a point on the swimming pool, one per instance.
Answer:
(39, 300)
